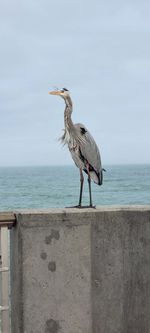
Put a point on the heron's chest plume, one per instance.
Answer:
(72, 137)
(68, 139)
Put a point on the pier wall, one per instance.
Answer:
(81, 271)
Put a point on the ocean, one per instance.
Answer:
(49, 186)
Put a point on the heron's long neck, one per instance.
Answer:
(67, 114)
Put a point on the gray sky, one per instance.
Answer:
(100, 51)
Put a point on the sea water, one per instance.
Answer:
(58, 186)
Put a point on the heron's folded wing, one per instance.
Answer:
(89, 148)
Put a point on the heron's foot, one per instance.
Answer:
(91, 206)
(81, 207)
(77, 206)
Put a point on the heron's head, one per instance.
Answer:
(64, 93)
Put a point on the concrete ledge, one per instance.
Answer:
(81, 271)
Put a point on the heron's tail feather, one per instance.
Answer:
(97, 177)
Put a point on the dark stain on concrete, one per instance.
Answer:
(52, 326)
(52, 266)
(54, 235)
(43, 255)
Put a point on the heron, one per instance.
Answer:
(82, 146)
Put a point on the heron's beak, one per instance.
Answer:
(55, 92)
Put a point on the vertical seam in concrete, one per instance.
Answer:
(20, 273)
(91, 259)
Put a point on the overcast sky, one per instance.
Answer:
(100, 51)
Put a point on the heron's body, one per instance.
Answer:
(82, 146)
(84, 151)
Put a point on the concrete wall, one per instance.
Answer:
(81, 271)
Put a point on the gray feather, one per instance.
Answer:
(89, 149)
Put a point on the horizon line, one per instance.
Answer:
(68, 165)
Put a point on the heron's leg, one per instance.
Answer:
(81, 190)
(89, 181)
(90, 193)
(81, 187)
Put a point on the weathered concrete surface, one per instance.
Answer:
(81, 271)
